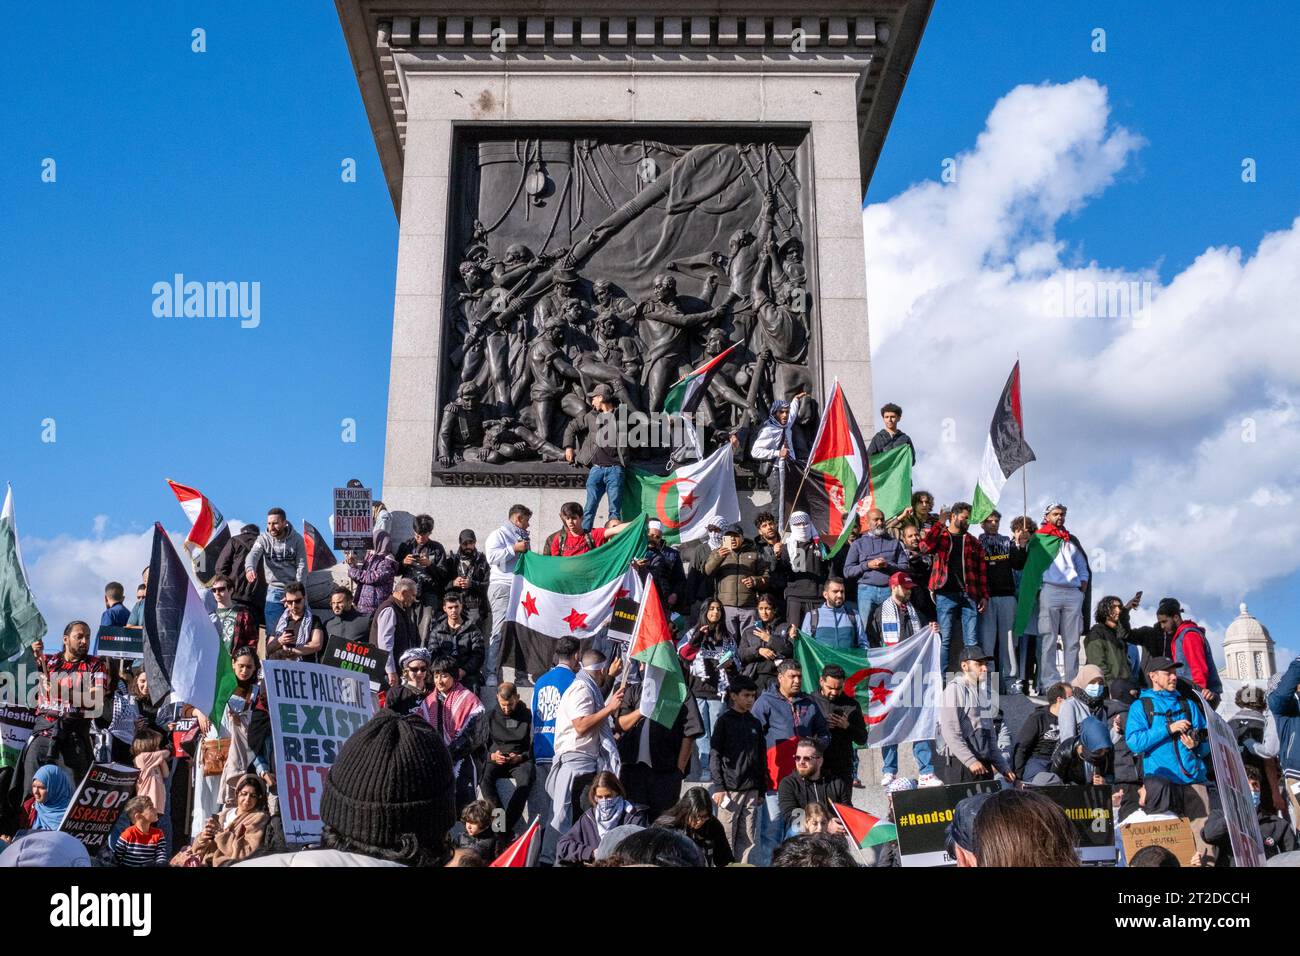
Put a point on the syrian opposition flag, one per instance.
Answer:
(863, 829)
(1006, 450)
(553, 597)
(663, 688)
(319, 555)
(21, 622)
(687, 501)
(183, 652)
(523, 851)
(208, 530)
(898, 689)
(836, 480)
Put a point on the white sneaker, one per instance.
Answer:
(929, 780)
(886, 780)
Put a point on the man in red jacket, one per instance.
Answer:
(1187, 645)
(958, 580)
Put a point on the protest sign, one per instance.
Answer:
(922, 817)
(623, 621)
(98, 803)
(314, 709)
(1092, 814)
(1234, 794)
(354, 520)
(16, 725)
(125, 643)
(1174, 835)
(363, 658)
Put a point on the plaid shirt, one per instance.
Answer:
(938, 542)
(70, 684)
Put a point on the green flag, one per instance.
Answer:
(21, 623)
(890, 474)
(1042, 551)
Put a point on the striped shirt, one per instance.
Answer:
(133, 848)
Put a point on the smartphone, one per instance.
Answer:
(1137, 598)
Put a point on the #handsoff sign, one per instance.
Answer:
(314, 709)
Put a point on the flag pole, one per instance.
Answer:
(821, 425)
(1024, 470)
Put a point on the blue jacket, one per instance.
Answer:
(869, 546)
(1161, 753)
(838, 627)
(783, 719)
(115, 616)
(1286, 708)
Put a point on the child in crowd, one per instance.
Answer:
(142, 843)
(474, 830)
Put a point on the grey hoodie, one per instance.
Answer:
(966, 729)
(284, 560)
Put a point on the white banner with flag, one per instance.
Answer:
(904, 687)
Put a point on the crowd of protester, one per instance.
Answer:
(494, 748)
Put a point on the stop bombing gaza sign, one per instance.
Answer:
(314, 709)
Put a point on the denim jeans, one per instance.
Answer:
(922, 750)
(604, 480)
(274, 609)
(710, 711)
(949, 610)
(870, 597)
(769, 827)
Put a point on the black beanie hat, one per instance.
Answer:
(392, 776)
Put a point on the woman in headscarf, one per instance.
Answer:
(215, 778)
(610, 808)
(459, 716)
(416, 681)
(234, 835)
(709, 650)
(373, 575)
(768, 640)
(52, 791)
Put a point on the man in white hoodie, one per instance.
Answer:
(502, 548)
(1060, 602)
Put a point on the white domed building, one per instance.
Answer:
(1248, 650)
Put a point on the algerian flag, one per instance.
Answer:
(663, 688)
(863, 829)
(836, 480)
(183, 651)
(21, 623)
(1005, 452)
(553, 597)
(687, 501)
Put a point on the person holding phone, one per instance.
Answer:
(1106, 645)
(709, 650)
(765, 643)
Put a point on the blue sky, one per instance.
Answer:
(225, 165)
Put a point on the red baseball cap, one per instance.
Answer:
(901, 579)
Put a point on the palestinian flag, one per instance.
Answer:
(208, 530)
(836, 480)
(663, 688)
(21, 622)
(688, 500)
(1045, 549)
(684, 397)
(319, 555)
(862, 828)
(554, 597)
(1006, 450)
(525, 850)
(183, 652)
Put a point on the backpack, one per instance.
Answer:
(812, 621)
(555, 543)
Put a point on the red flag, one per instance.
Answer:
(524, 851)
(208, 533)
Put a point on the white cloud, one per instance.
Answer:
(1170, 428)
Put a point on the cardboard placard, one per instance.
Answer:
(357, 657)
(1234, 794)
(1174, 835)
(354, 519)
(124, 643)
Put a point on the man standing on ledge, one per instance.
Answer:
(602, 450)
(1060, 602)
(891, 434)
(503, 547)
